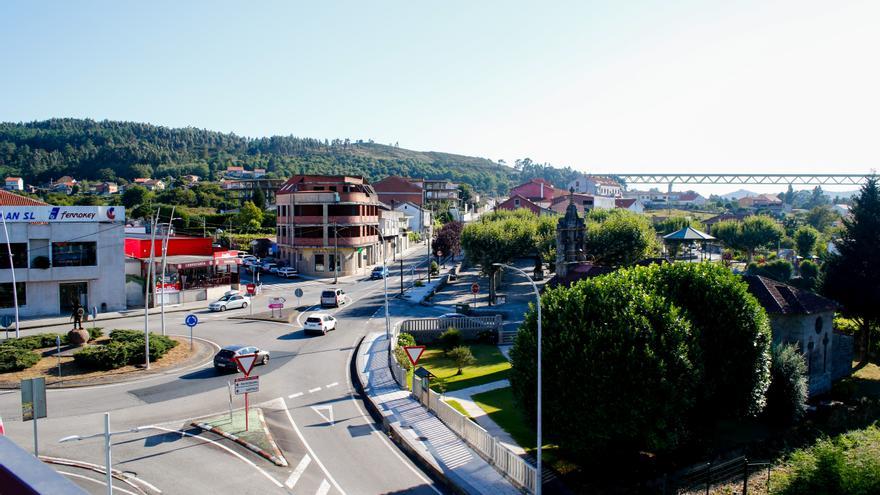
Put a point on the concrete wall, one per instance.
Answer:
(817, 347)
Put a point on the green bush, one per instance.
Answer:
(847, 464)
(435, 268)
(125, 347)
(128, 336)
(406, 339)
(449, 340)
(462, 356)
(787, 394)
(16, 358)
(402, 359)
(105, 357)
(779, 270)
(618, 378)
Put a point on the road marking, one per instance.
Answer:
(309, 447)
(115, 488)
(324, 488)
(332, 385)
(294, 396)
(218, 444)
(329, 417)
(313, 390)
(300, 469)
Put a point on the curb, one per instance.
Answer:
(23, 325)
(435, 474)
(278, 461)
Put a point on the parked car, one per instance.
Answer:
(250, 260)
(267, 267)
(230, 301)
(379, 272)
(287, 272)
(321, 323)
(225, 358)
(332, 297)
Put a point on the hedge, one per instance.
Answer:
(16, 358)
(43, 340)
(126, 347)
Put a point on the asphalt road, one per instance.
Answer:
(305, 385)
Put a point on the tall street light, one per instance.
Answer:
(107, 434)
(164, 259)
(538, 480)
(12, 271)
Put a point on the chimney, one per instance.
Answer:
(542, 190)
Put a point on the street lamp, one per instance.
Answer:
(538, 479)
(107, 434)
(385, 286)
(164, 260)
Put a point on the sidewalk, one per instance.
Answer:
(110, 315)
(419, 431)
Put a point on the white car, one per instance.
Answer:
(287, 272)
(321, 323)
(230, 301)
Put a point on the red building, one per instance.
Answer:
(394, 190)
(191, 262)
(535, 190)
(516, 202)
(328, 224)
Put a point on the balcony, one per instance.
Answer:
(343, 241)
(319, 220)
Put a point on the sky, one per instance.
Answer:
(605, 87)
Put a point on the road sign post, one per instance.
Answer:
(245, 364)
(33, 404)
(191, 321)
(58, 355)
(414, 352)
(298, 293)
(94, 315)
(276, 303)
(475, 289)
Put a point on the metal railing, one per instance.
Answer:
(429, 329)
(718, 477)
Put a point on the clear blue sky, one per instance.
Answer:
(626, 86)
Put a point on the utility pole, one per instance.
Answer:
(164, 259)
(430, 236)
(335, 253)
(12, 270)
(153, 223)
(401, 276)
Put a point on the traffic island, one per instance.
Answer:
(257, 438)
(285, 315)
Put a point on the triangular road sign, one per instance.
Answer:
(414, 352)
(245, 363)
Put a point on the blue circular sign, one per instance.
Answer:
(191, 320)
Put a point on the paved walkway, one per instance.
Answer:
(465, 398)
(421, 430)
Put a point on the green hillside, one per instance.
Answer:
(110, 150)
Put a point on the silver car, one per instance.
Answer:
(230, 301)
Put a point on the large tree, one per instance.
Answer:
(135, 196)
(621, 239)
(852, 276)
(758, 231)
(805, 239)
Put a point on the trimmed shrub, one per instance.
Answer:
(125, 347)
(405, 339)
(618, 379)
(462, 356)
(449, 340)
(779, 270)
(787, 395)
(402, 359)
(16, 358)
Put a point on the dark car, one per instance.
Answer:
(224, 359)
(379, 272)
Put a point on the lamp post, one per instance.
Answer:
(164, 260)
(153, 223)
(107, 434)
(538, 479)
(12, 271)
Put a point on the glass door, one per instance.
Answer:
(71, 293)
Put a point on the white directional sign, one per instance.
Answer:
(247, 385)
(245, 363)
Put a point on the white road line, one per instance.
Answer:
(294, 396)
(300, 469)
(115, 488)
(313, 390)
(309, 447)
(382, 437)
(332, 385)
(236, 454)
(324, 488)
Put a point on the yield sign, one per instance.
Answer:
(414, 352)
(245, 363)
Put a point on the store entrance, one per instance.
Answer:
(70, 293)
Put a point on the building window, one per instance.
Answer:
(19, 255)
(6, 299)
(819, 324)
(319, 262)
(516, 203)
(74, 253)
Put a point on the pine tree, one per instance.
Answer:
(852, 276)
(259, 198)
(789, 195)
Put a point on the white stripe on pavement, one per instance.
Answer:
(309, 447)
(115, 488)
(300, 469)
(324, 488)
(332, 385)
(313, 390)
(294, 396)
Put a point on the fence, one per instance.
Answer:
(506, 461)
(429, 329)
(737, 475)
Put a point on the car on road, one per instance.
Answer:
(287, 272)
(225, 358)
(332, 298)
(320, 323)
(268, 267)
(230, 301)
(379, 272)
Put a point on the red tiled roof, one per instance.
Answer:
(9, 199)
(780, 298)
(624, 202)
(13, 178)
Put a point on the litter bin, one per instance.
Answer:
(500, 298)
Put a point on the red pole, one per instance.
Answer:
(245, 411)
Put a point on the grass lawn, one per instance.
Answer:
(491, 366)
(455, 405)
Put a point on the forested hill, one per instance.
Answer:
(107, 150)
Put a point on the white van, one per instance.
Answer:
(332, 298)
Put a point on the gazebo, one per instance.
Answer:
(688, 235)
